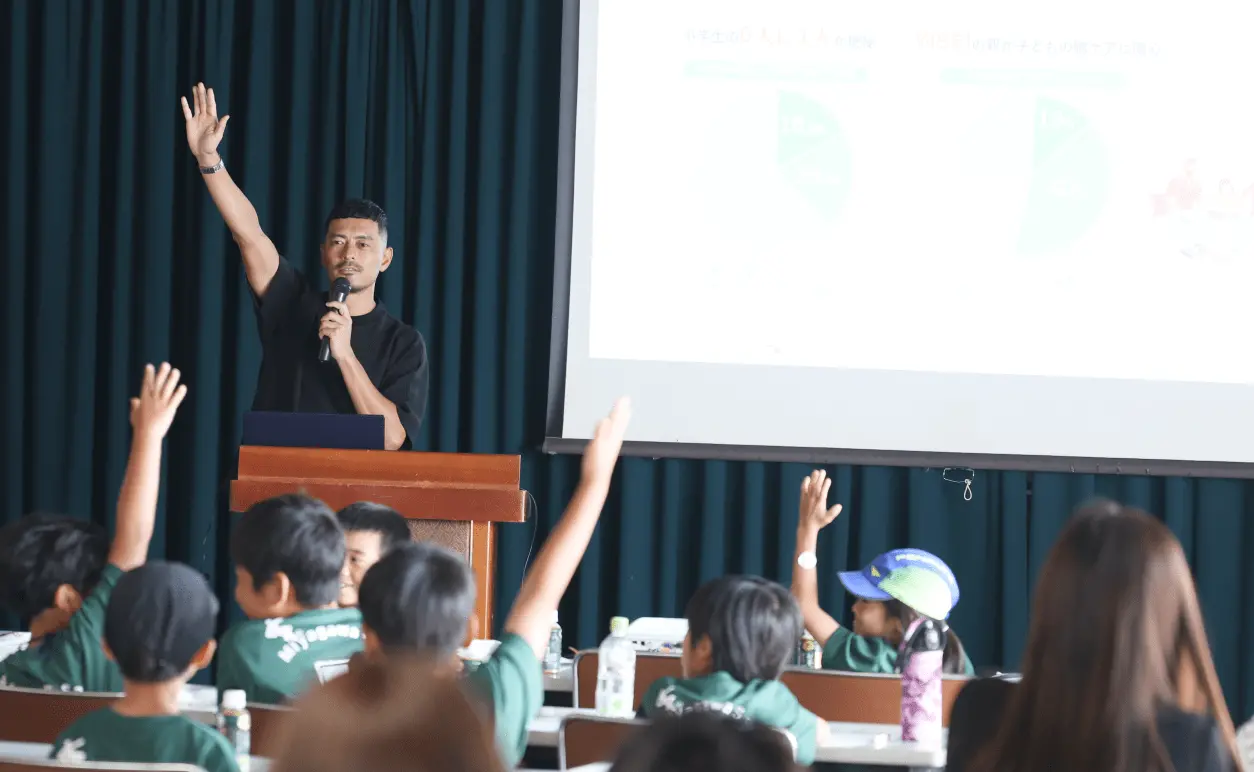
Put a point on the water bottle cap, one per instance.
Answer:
(554, 616)
(234, 699)
(618, 625)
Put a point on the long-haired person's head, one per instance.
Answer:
(706, 742)
(1116, 634)
(355, 245)
(395, 715)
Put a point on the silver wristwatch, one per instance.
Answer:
(213, 169)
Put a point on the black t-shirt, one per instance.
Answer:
(293, 380)
(1193, 741)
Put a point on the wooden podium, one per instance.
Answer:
(452, 499)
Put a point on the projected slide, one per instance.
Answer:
(813, 153)
(962, 187)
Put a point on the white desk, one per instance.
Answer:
(848, 743)
(196, 698)
(871, 744)
(40, 751)
(563, 680)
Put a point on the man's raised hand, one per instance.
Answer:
(204, 128)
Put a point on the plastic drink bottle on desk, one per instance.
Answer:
(616, 673)
(235, 724)
(553, 654)
(922, 656)
(808, 653)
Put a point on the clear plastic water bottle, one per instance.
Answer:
(616, 673)
(553, 654)
(235, 724)
(922, 656)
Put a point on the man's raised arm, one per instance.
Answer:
(204, 133)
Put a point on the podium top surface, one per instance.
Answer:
(480, 469)
(426, 486)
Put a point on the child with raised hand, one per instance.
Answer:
(289, 555)
(159, 630)
(896, 590)
(58, 575)
(420, 599)
(742, 631)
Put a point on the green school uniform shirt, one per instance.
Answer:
(108, 736)
(512, 681)
(766, 702)
(72, 660)
(858, 654)
(276, 659)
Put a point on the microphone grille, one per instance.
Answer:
(341, 286)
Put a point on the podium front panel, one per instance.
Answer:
(451, 534)
(473, 541)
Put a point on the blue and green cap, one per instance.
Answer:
(916, 578)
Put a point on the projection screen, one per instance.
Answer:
(1009, 234)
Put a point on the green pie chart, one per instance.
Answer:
(1070, 179)
(813, 154)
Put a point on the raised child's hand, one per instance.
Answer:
(601, 453)
(814, 512)
(159, 398)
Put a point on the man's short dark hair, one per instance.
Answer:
(392, 527)
(418, 597)
(360, 209)
(40, 553)
(298, 536)
(704, 741)
(753, 624)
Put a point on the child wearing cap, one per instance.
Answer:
(896, 590)
(742, 631)
(58, 573)
(289, 554)
(159, 630)
(370, 532)
(420, 599)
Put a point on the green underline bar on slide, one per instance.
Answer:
(797, 71)
(1026, 78)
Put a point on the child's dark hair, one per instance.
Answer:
(159, 618)
(295, 535)
(753, 625)
(705, 742)
(418, 597)
(955, 656)
(392, 527)
(40, 553)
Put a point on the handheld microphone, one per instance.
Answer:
(339, 293)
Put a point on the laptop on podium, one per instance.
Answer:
(313, 430)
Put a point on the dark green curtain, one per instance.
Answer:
(446, 113)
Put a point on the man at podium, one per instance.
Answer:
(377, 364)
